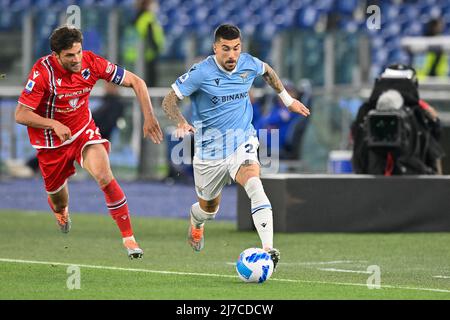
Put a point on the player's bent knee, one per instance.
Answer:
(211, 209)
(59, 201)
(210, 206)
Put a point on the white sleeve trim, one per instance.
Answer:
(26, 105)
(114, 73)
(177, 91)
(263, 68)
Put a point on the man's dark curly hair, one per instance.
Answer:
(64, 37)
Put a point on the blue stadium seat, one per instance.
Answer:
(125, 3)
(261, 19)
(409, 12)
(279, 4)
(11, 20)
(307, 17)
(346, 6)
(282, 20)
(392, 12)
(381, 55)
(324, 6)
(19, 5)
(446, 18)
(85, 2)
(298, 4)
(412, 28)
(377, 41)
(392, 30)
(430, 2)
(435, 11)
(446, 9)
(350, 26)
(168, 5)
(200, 15)
(248, 29)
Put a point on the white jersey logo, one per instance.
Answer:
(184, 77)
(109, 67)
(73, 102)
(58, 81)
(86, 73)
(244, 76)
(35, 74)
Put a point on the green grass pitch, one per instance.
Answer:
(35, 256)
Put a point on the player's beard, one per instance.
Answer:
(71, 67)
(68, 65)
(75, 68)
(229, 65)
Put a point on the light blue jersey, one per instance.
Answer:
(222, 112)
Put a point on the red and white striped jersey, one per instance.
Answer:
(56, 93)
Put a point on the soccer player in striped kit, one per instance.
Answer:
(54, 106)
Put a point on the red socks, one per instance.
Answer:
(116, 202)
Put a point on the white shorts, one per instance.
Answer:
(211, 176)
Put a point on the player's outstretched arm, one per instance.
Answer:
(274, 81)
(173, 112)
(151, 125)
(29, 118)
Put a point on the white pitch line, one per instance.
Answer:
(343, 270)
(383, 286)
(209, 274)
(321, 262)
(313, 263)
(116, 268)
(442, 277)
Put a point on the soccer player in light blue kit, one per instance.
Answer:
(225, 140)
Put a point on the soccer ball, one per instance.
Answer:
(254, 265)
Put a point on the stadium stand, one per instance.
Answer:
(199, 17)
